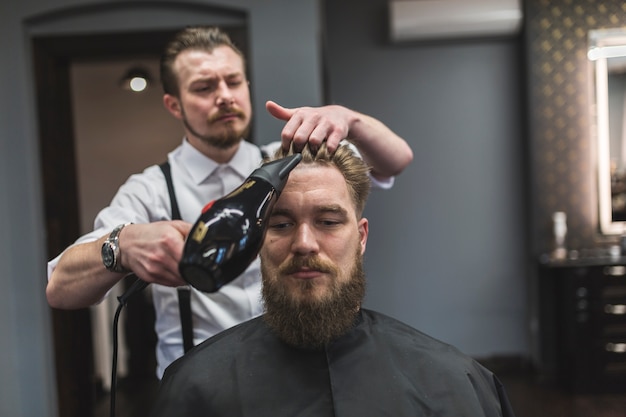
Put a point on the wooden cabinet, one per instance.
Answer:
(584, 324)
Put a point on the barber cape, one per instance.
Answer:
(381, 367)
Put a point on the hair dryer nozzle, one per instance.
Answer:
(277, 172)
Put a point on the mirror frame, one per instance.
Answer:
(603, 45)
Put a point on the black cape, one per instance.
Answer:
(381, 367)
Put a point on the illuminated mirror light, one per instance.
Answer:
(598, 52)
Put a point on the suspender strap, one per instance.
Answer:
(165, 167)
(264, 154)
(184, 293)
(184, 305)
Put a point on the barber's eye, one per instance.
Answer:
(204, 88)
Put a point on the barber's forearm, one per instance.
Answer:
(387, 153)
(80, 279)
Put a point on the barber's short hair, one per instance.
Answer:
(204, 38)
(351, 166)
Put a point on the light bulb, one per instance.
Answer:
(138, 84)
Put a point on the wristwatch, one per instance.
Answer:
(111, 251)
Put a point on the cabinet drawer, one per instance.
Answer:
(609, 357)
(590, 318)
(609, 275)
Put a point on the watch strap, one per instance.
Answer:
(113, 241)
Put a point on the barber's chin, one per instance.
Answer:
(225, 142)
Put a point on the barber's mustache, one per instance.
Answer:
(309, 262)
(227, 112)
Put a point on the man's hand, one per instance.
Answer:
(312, 124)
(385, 152)
(152, 251)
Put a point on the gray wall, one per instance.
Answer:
(447, 243)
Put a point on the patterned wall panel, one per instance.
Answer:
(562, 146)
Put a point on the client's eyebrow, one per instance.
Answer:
(280, 212)
(333, 209)
(324, 209)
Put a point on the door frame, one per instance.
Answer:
(52, 59)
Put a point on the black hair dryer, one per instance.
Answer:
(229, 233)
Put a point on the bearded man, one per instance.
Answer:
(315, 352)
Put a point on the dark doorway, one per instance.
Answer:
(53, 56)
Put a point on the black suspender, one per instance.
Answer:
(184, 293)
(264, 155)
(165, 167)
(184, 305)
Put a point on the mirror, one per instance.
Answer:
(607, 53)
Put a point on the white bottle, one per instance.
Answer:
(559, 218)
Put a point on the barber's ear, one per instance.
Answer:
(363, 232)
(172, 104)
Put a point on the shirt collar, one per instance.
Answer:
(200, 166)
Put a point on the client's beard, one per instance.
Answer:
(309, 323)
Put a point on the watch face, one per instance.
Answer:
(108, 257)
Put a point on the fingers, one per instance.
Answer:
(278, 111)
(310, 125)
(314, 133)
(183, 227)
(162, 273)
(303, 127)
(334, 138)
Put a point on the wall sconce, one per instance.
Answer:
(135, 79)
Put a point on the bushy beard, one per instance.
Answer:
(227, 138)
(306, 322)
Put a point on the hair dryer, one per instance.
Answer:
(229, 233)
